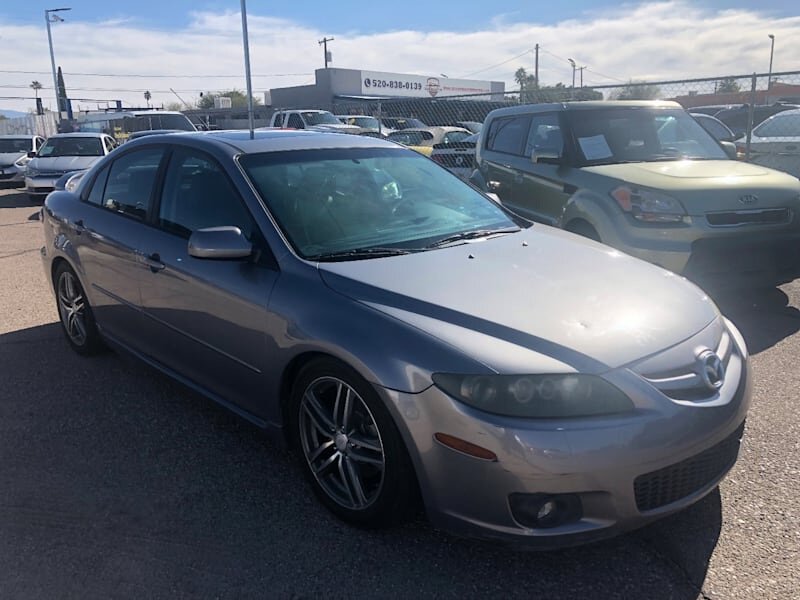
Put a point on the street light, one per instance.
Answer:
(572, 62)
(771, 52)
(52, 18)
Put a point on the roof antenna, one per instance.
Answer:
(246, 43)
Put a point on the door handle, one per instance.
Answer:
(78, 227)
(151, 261)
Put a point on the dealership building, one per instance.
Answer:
(335, 87)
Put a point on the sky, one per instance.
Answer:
(112, 51)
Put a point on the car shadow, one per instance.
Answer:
(17, 200)
(116, 478)
(764, 316)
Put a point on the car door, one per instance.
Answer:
(206, 318)
(107, 227)
(500, 161)
(540, 193)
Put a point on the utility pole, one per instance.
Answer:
(536, 65)
(581, 70)
(324, 43)
(248, 79)
(53, 18)
(771, 52)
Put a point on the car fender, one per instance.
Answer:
(589, 206)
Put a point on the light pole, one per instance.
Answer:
(52, 18)
(248, 79)
(572, 62)
(771, 52)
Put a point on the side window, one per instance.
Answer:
(197, 194)
(37, 144)
(454, 136)
(714, 128)
(508, 134)
(545, 135)
(130, 182)
(95, 195)
(109, 144)
(295, 121)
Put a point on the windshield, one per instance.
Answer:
(342, 200)
(157, 121)
(320, 118)
(364, 122)
(71, 146)
(781, 125)
(397, 123)
(620, 135)
(411, 138)
(15, 145)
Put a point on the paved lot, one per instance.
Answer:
(115, 482)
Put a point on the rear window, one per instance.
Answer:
(779, 126)
(507, 134)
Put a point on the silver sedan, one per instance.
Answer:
(405, 334)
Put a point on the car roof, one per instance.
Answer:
(583, 105)
(18, 136)
(434, 129)
(272, 140)
(81, 134)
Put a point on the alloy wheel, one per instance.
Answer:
(71, 307)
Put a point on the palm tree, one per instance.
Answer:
(147, 97)
(36, 86)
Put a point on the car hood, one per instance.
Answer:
(62, 164)
(517, 301)
(708, 185)
(9, 158)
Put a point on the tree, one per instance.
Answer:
(637, 90)
(532, 93)
(238, 99)
(728, 86)
(147, 97)
(36, 86)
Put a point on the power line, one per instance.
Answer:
(587, 68)
(152, 76)
(498, 64)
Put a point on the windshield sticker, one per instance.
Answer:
(595, 147)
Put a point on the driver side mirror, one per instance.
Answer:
(730, 149)
(219, 243)
(549, 156)
(31, 154)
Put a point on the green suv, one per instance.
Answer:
(647, 179)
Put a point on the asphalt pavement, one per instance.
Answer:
(116, 482)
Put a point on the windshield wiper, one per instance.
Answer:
(471, 235)
(359, 253)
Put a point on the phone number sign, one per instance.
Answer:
(376, 83)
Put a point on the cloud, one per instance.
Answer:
(647, 41)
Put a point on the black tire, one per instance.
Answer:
(583, 228)
(75, 313)
(339, 461)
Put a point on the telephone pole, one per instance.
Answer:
(324, 43)
(536, 66)
(581, 70)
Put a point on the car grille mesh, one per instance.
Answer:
(670, 484)
(769, 216)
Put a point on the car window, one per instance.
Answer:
(779, 126)
(714, 127)
(295, 121)
(71, 146)
(95, 195)
(109, 144)
(544, 135)
(130, 182)
(452, 137)
(197, 194)
(508, 134)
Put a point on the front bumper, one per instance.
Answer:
(40, 186)
(11, 174)
(626, 470)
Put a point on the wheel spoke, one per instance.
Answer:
(347, 411)
(337, 402)
(355, 482)
(362, 457)
(320, 451)
(318, 415)
(325, 465)
(366, 443)
(345, 481)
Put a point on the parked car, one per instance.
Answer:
(398, 123)
(362, 121)
(473, 126)
(776, 142)
(405, 334)
(14, 158)
(64, 153)
(737, 118)
(423, 139)
(718, 130)
(647, 179)
(712, 109)
(313, 120)
(457, 157)
(124, 124)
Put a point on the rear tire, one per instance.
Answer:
(349, 447)
(75, 313)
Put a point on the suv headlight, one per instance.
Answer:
(21, 162)
(536, 396)
(648, 205)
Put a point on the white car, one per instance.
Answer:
(313, 120)
(64, 153)
(14, 151)
(775, 143)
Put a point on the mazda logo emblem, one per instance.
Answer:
(711, 369)
(748, 199)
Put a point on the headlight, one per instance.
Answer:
(536, 396)
(648, 205)
(22, 161)
(73, 182)
(29, 172)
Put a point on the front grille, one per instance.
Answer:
(670, 484)
(768, 216)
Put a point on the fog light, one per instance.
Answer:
(544, 511)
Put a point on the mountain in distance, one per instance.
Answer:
(13, 114)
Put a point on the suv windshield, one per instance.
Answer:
(320, 118)
(71, 146)
(640, 134)
(15, 145)
(369, 202)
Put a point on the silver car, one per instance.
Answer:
(64, 153)
(406, 335)
(14, 150)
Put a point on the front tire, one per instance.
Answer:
(75, 314)
(350, 449)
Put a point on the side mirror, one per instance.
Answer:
(31, 154)
(549, 156)
(730, 149)
(219, 243)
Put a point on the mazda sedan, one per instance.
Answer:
(406, 335)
